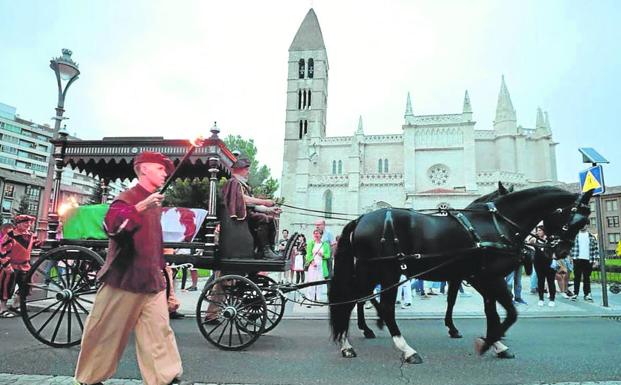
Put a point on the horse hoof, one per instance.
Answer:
(455, 334)
(369, 334)
(348, 353)
(380, 324)
(480, 346)
(505, 354)
(414, 359)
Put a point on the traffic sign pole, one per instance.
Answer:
(593, 179)
(602, 250)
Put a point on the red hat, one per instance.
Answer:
(24, 218)
(155, 157)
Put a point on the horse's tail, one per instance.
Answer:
(342, 287)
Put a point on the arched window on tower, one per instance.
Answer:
(301, 68)
(299, 99)
(309, 99)
(334, 167)
(386, 165)
(327, 198)
(340, 167)
(379, 166)
(301, 132)
(304, 99)
(311, 68)
(305, 127)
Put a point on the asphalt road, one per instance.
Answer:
(550, 350)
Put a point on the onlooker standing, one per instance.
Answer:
(584, 254)
(328, 237)
(405, 291)
(317, 257)
(282, 245)
(514, 282)
(298, 262)
(543, 266)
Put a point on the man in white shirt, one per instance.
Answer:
(584, 254)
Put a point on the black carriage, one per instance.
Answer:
(236, 305)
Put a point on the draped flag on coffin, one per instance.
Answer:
(179, 224)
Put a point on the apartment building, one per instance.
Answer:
(24, 155)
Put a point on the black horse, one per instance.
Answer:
(481, 245)
(453, 286)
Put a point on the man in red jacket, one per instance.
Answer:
(133, 296)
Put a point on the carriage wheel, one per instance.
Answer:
(274, 299)
(61, 289)
(615, 288)
(231, 312)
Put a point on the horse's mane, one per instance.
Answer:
(534, 192)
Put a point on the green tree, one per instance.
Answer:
(188, 193)
(195, 192)
(24, 203)
(95, 197)
(260, 178)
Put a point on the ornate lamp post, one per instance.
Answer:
(67, 72)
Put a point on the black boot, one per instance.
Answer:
(264, 244)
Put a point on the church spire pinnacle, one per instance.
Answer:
(540, 123)
(467, 109)
(505, 114)
(409, 115)
(360, 130)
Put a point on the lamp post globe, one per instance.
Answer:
(67, 72)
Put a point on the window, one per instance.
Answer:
(12, 128)
(41, 147)
(614, 238)
(309, 99)
(385, 165)
(612, 205)
(9, 161)
(25, 143)
(6, 205)
(328, 203)
(9, 149)
(340, 167)
(299, 99)
(10, 139)
(311, 68)
(301, 131)
(334, 167)
(301, 68)
(438, 174)
(9, 190)
(379, 166)
(613, 221)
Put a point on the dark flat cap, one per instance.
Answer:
(155, 157)
(241, 163)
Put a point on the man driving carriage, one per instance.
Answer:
(241, 205)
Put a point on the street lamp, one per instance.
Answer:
(67, 72)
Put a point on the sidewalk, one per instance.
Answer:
(435, 306)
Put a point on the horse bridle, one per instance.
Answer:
(552, 240)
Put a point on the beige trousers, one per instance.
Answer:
(114, 315)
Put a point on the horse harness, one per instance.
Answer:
(507, 243)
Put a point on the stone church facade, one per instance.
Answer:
(430, 161)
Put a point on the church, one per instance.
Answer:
(431, 161)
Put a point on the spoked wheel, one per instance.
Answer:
(231, 312)
(275, 300)
(61, 290)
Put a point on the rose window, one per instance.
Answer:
(438, 174)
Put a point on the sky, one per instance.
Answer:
(164, 68)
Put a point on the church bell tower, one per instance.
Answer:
(307, 97)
